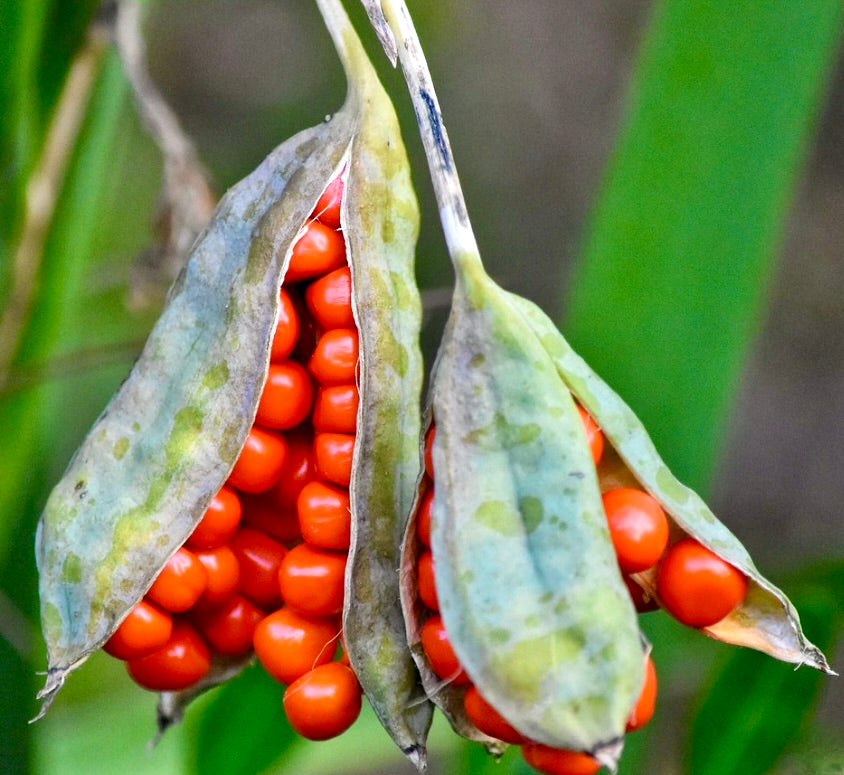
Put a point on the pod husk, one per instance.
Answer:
(448, 697)
(144, 475)
(527, 580)
(766, 620)
(168, 439)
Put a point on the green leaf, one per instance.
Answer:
(26, 416)
(243, 730)
(755, 706)
(683, 238)
(65, 261)
(37, 43)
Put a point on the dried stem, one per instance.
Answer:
(392, 16)
(188, 199)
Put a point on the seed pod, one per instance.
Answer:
(766, 620)
(526, 578)
(169, 438)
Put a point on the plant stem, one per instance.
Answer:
(393, 15)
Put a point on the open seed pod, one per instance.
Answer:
(171, 436)
(526, 580)
(765, 619)
(512, 581)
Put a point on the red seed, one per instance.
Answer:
(644, 709)
(488, 720)
(318, 251)
(324, 702)
(260, 463)
(312, 580)
(289, 644)
(259, 557)
(440, 654)
(425, 581)
(423, 518)
(223, 574)
(329, 299)
(287, 398)
(146, 629)
(219, 522)
(180, 583)
(177, 665)
(229, 627)
(327, 208)
(336, 409)
(334, 454)
(287, 330)
(325, 518)
(335, 358)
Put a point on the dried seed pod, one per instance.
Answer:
(145, 474)
(526, 577)
(527, 582)
(765, 620)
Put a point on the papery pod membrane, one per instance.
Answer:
(446, 696)
(168, 439)
(766, 620)
(527, 579)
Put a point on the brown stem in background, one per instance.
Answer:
(187, 196)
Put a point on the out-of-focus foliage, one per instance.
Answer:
(670, 288)
(685, 232)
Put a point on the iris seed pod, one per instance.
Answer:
(766, 620)
(169, 438)
(526, 578)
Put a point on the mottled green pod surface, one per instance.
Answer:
(169, 437)
(380, 220)
(167, 441)
(766, 620)
(446, 696)
(527, 580)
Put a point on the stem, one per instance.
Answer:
(188, 199)
(454, 217)
(356, 65)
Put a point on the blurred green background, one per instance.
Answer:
(665, 178)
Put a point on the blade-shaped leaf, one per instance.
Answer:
(755, 705)
(27, 415)
(243, 730)
(678, 256)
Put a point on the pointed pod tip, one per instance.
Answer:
(814, 657)
(55, 680)
(418, 756)
(609, 753)
(168, 712)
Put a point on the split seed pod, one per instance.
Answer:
(526, 578)
(167, 441)
(766, 620)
